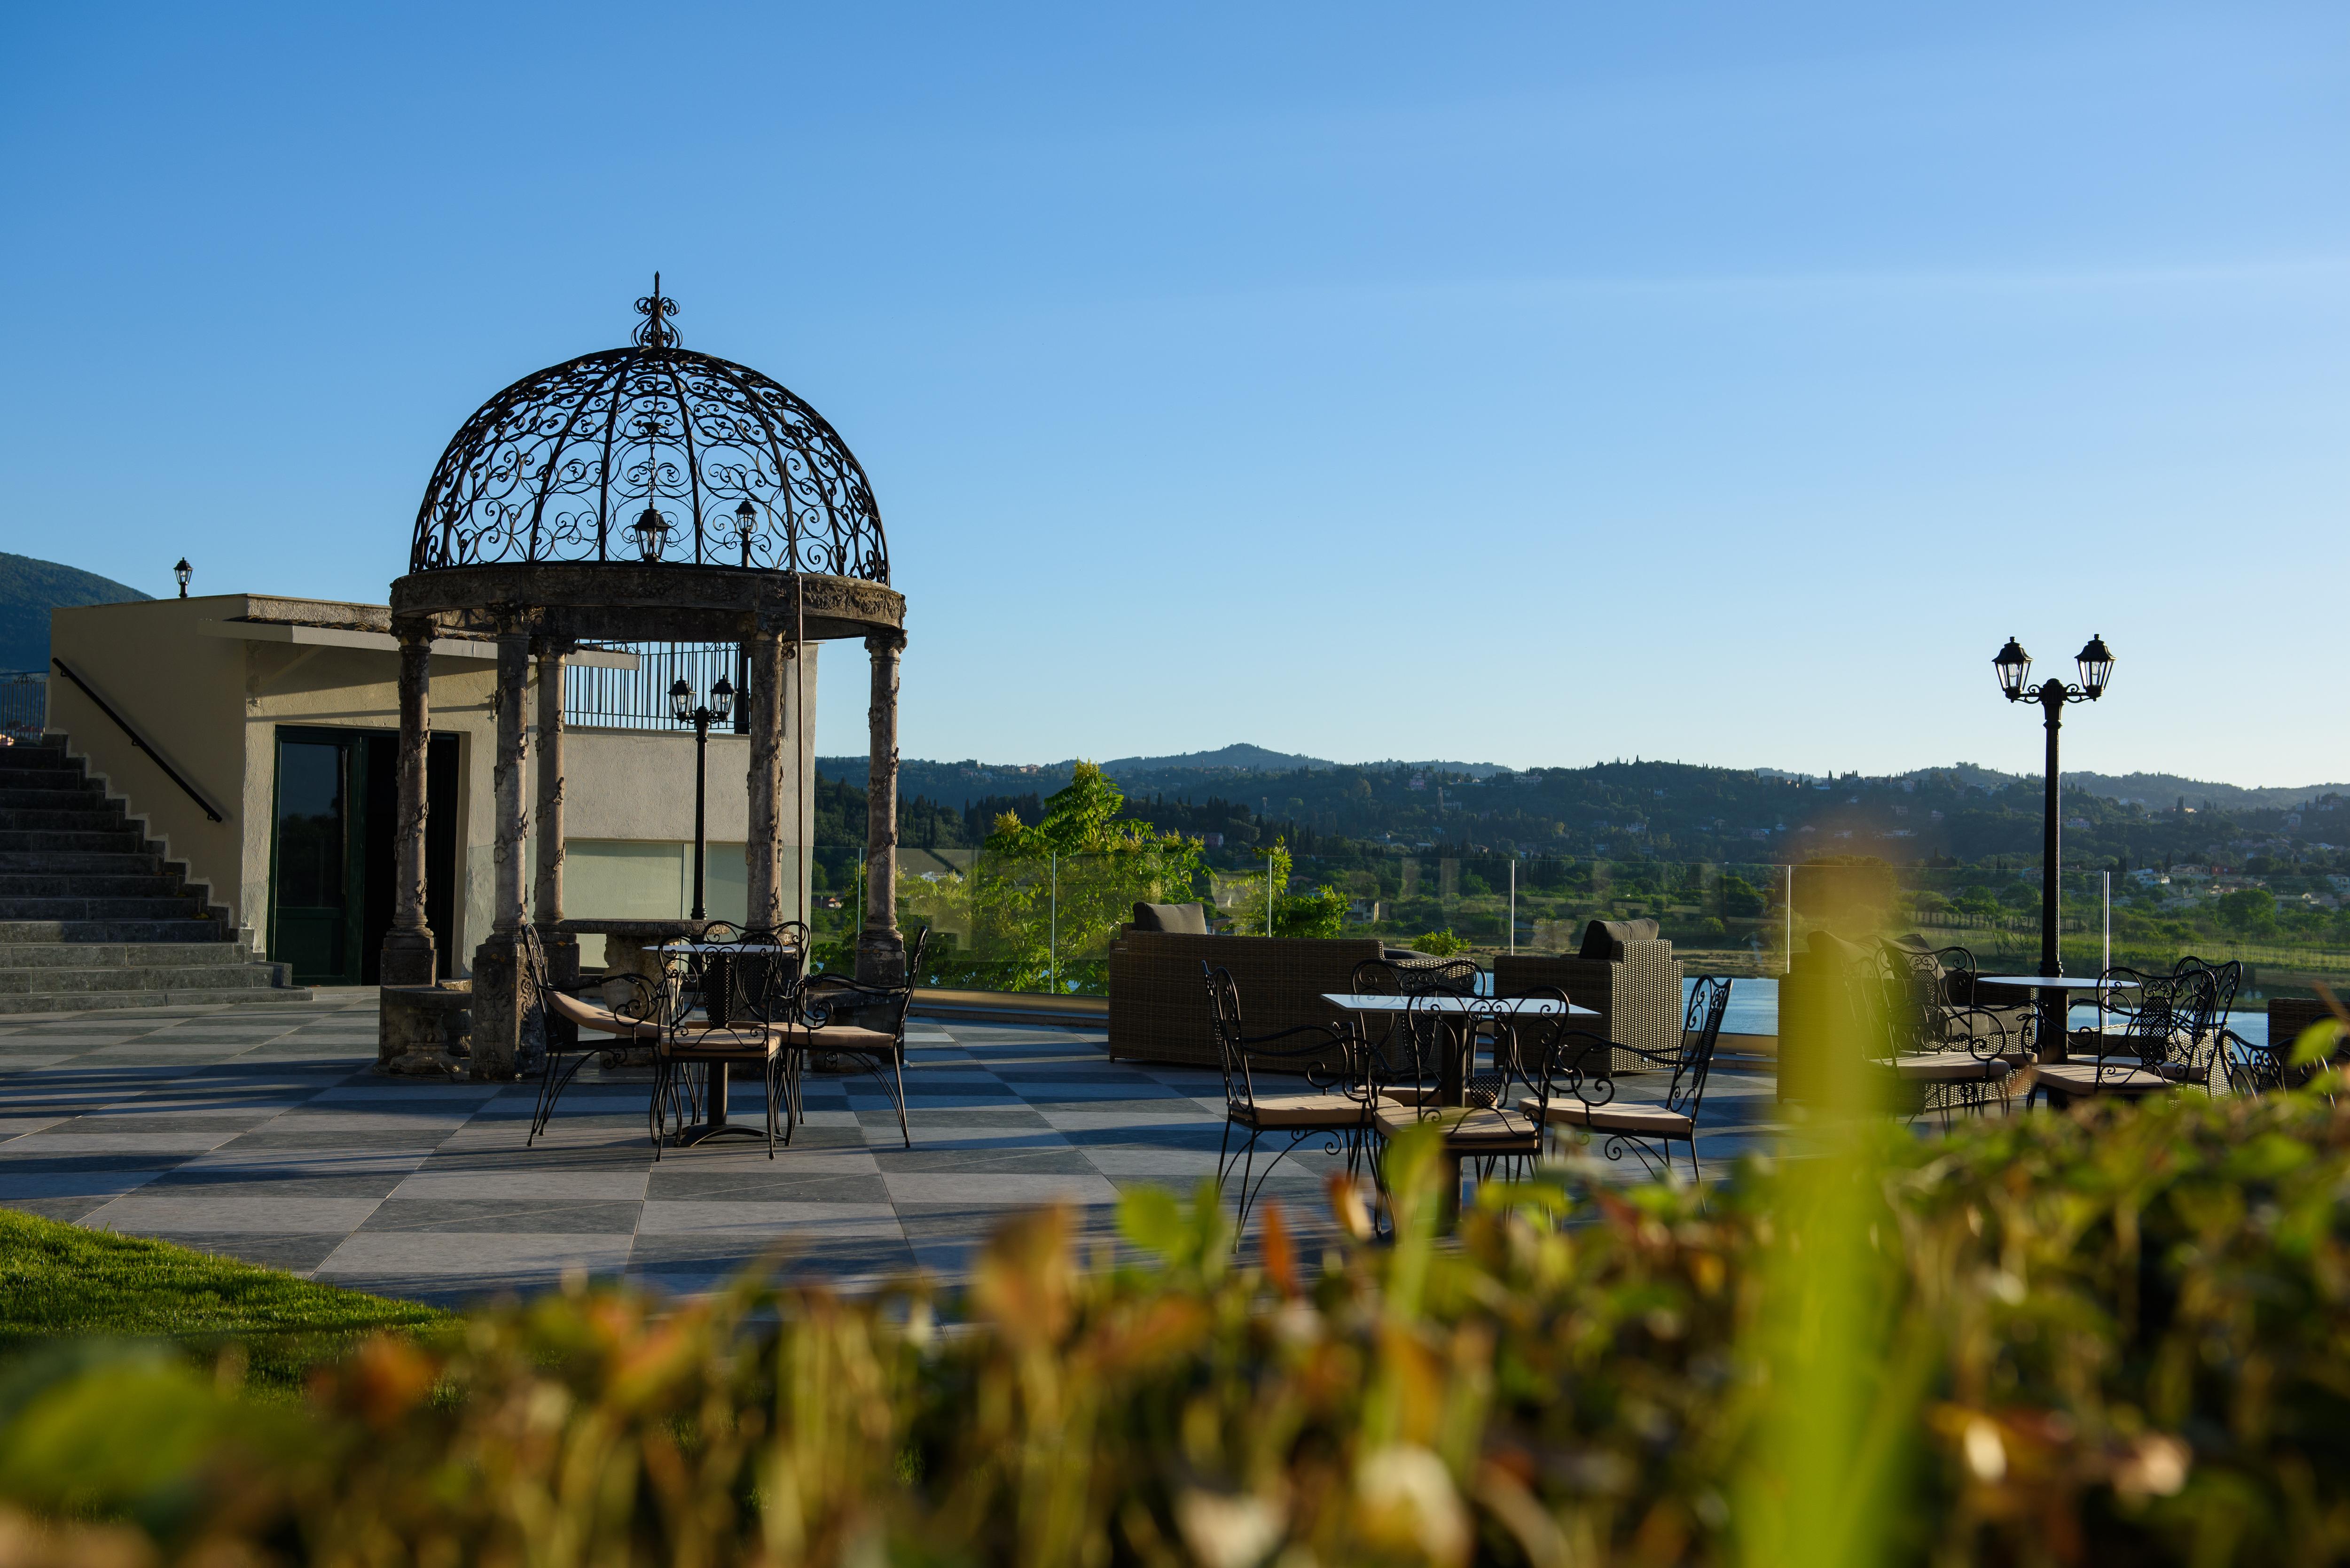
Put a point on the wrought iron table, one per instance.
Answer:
(2051, 1050)
(718, 980)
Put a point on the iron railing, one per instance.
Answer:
(638, 699)
(23, 706)
(138, 741)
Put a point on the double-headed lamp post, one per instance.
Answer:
(700, 715)
(2014, 665)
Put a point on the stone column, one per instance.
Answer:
(498, 1000)
(880, 950)
(408, 956)
(763, 873)
(546, 887)
(511, 778)
(561, 947)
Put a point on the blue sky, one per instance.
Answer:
(1537, 384)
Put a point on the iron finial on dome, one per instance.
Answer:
(655, 331)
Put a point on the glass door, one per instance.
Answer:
(317, 866)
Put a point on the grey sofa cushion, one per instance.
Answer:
(1605, 939)
(1188, 920)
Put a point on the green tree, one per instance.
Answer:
(1044, 895)
(2246, 910)
(1740, 899)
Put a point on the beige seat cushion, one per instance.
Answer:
(1464, 1126)
(1293, 1111)
(754, 1041)
(2085, 1078)
(1949, 1067)
(1407, 1094)
(849, 1037)
(603, 1020)
(1644, 1121)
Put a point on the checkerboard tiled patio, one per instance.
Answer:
(261, 1132)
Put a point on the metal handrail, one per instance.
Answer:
(138, 740)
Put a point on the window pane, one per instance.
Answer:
(309, 826)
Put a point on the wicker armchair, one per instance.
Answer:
(1637, 996)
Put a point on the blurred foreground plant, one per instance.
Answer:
(2120, 1336)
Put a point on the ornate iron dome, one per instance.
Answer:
(650, 454)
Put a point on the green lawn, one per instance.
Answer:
(60, 1281)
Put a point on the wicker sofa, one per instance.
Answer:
(1637, 993)
(1158, 1008)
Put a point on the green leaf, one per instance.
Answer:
(2316, 1043)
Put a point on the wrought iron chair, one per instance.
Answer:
(1500, 1112)
(638, 1017)
(1938, 1053)
(1323, 1054)
(1404, 1044)
(827, 1023)
(1584, 1092)
(2168, 1040)
(741, 992)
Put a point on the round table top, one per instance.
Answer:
(2045, 982)
(1364, 1001)
(684, 947)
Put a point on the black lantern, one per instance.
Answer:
(183, 572)
(746, 526)
(721, 701)
(2096, 662)
(680, 701)
(652, 530)
(2014, 667)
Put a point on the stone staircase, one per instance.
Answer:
(91, 913)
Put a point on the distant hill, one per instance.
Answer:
(1241, 757)
(2153, 790)
(30, 590)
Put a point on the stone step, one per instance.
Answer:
(73, 816)
(94, 1001)
(100, 932)
(16, 956)
(179, 908)
(45, 781)
(117, 862)
(14, 796)
(27, 759)
(91, 885)
(121, 841)
(137, 977)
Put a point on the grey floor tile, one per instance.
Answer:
(455, 1260)
(148, 1213)
(1009, 1189)
(432, 1181)
(965, 1161)
(482, 1216)
(811, 1222)
(678, 1184)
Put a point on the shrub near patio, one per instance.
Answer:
(2112, 1337)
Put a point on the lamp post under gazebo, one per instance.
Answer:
(644, 494)
(700, 715)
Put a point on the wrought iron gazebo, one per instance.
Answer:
(643, 493)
